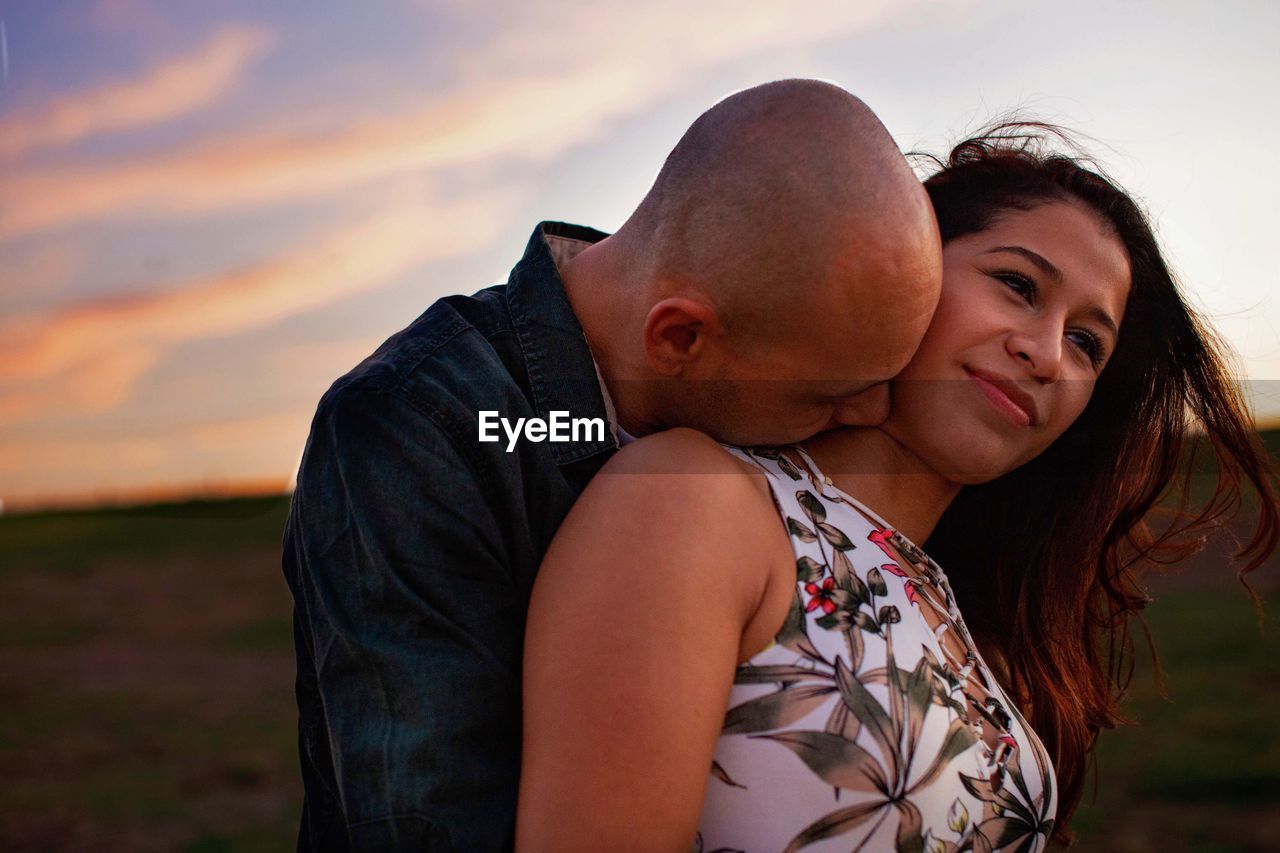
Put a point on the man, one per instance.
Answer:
(783, 266)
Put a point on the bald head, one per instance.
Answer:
(783, 266)
(777, 194)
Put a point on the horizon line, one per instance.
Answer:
(229, 490)
(149, 495)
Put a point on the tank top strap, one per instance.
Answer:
(837, 494)
(812, 467)
(781, 471)
(782, 475)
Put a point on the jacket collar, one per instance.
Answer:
(561, 369)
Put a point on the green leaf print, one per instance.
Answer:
(793, 634)
(866, 622)
(843, 723)
(773, 454)
(1003, 832)
(780, 708)
(842, 570)
(812, 506)
(858, 592)
(798, 530)
(788, 468)
(1003, 801)
(869, 712)
(778, 674)
(808, 569)
(909, 825)
(835, 537)
(918, 687)
(959, 738)
(720, 773)
(838, 762)
(836, 823)
(838, 621)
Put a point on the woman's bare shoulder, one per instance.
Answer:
(637, 620)
(678, 451)
(683, 470)
(671, 498)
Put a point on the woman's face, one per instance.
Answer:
(1028, 318)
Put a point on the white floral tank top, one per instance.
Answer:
(864, 726)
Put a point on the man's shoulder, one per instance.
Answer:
(459, 352)
(514, 349)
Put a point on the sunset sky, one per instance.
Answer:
(209, 211)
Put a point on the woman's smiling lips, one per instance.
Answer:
(1014, 403)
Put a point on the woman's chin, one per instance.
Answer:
(974, 469)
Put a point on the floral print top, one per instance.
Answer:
(871, 723)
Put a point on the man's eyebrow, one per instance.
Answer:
(1036, 258)
(1055, 274)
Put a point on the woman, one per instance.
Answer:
(1041, 419)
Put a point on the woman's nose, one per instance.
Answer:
(1040, 349)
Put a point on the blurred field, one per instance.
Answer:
(146, 694)
(146, 671)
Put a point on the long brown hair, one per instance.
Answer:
(1045, 561)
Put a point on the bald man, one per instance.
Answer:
(783, 266)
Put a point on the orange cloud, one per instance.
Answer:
(97, 385)
(249, 454)
(168, 90)
(286, 429)
(273, 165)
(87, 358)
(320, 360)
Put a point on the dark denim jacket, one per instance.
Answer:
(411, 549)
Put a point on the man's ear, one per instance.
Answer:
(678, 332)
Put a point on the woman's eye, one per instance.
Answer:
(1019, 284)
(1090, 344)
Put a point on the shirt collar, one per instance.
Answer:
(562, 372)
(620, 435)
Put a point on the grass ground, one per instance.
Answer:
(1200, 770)
(146, 673)
(146, 695)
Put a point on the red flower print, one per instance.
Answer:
(909, 587)
(821, 596)
(1006, 748)
(881, 538)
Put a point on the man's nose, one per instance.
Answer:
(866, 408)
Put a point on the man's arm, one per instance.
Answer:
(412, 623)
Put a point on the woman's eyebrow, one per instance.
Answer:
(1105, 319)
(1039, 260)
(1055, 275)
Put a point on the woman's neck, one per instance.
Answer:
(873, 467)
